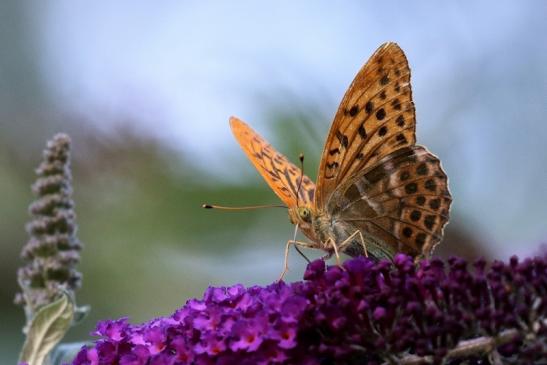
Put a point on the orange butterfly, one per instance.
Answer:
(377, 192)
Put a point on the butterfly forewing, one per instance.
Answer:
(282, 176)
(401, 204)
(376, 117)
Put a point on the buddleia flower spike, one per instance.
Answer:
(53, 249)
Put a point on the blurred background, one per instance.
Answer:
(145, 90)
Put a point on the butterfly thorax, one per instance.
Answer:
(323, 230)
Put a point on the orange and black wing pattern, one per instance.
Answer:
(376, 117)
(372, 176)
(282, 176)
(402, 202)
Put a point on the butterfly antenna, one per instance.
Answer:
(301, 158)
(220, 207)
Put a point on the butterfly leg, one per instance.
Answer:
(287, 246)
(347, 241)
(331, 242)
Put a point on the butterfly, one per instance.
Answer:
(377, 192)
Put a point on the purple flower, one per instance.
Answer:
(114, 330)
(138, 356)
(285, 335)
(182, 350)
(292, 309)
(155, 340)
(379, 313)
(211, 345)
(359, 314)
(249, 334)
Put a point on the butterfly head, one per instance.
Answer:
(302, 216)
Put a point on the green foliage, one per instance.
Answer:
(46, 329)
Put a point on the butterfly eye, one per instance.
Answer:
(305, 214)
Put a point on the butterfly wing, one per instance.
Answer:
(372, 176)
(376, 116)
(401, 204)
(282, 176)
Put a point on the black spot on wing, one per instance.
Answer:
(435, 204)
(411, 188)
(407, 232)
(396, 104)
(401, 138)
(334, 151)
(382, 131)
(380, 114)
(362, 131)
(422, 169)
(415, 215)
(342, 138)
(354, 110)
(429, 222)
(369, 107)
(430, 185)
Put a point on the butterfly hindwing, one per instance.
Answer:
(401, 204)
(376, 116)
(282, 176)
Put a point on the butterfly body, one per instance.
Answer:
(377, 192)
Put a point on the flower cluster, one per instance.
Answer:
(230, 325)
(366, 312)
(53, 249)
